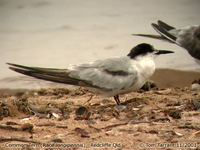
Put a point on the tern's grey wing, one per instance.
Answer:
(111, 64)
(109, 74)
(189, 38)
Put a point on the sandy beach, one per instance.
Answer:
(36, 114)
(78, 119)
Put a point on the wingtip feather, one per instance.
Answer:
(164, 25)
(164, 33)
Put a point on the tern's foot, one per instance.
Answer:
(116, 97)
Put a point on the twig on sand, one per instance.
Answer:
(19, 139)
(89, 99)
(51, 124)
(8, 127)
(189, 126)
(197, 133)
(46, 124)
(24, 127)
(125, 123)
(115, 125)
(96, 129)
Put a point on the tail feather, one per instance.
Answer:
(49, 74)
(164, 33)
(150, 36)
(165, 25)
(38, 68)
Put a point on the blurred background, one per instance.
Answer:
(49, 33)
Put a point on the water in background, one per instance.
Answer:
(51, 33)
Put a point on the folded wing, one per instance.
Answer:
(109, 74)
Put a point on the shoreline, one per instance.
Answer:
(166, 78)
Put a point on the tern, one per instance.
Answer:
(111, 76)
(186, 37)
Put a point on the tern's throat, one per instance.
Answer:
(145, 66)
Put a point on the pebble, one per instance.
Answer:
(120, 108)
(195, 86)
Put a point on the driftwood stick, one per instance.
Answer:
(19, 139)
(24, 127)
(8, 127)
(124, 123)
(115, 125)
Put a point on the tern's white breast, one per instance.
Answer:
(144, 67)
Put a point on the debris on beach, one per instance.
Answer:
(65, 116)
(195, 85)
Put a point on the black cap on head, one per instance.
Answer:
(141, 49)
